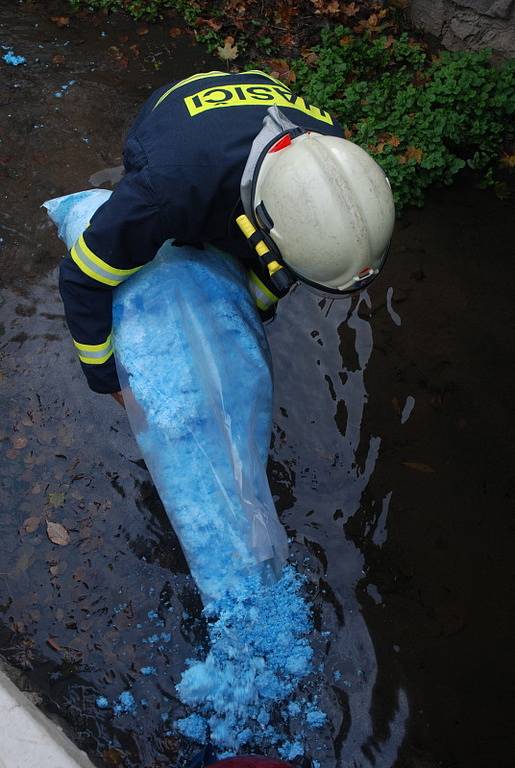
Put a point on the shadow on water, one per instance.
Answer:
(389, 463)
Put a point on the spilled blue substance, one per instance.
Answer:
(337, 675)
(11, 58)
(65, 87)
(259, 653)
(148, 671)
(102, 702)
(125, 704)
(194, 727)
(316, 718)
(291, 750)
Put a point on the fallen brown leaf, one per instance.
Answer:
(58, 58)
(31, 524)
(394, 141)
(143, 30)
(54, 645)
(56, 499)
(508, 160)
(174, 32)
(350, 9)
(417, 466)
(213, 23)
(57, 534)
(414, 153)
(60, 21)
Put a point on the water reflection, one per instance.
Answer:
(322, 451)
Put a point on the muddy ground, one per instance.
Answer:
(391, 459)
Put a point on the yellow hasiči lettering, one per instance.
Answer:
(254, 94)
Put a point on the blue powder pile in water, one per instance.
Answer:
(259, 654)
(125, 704)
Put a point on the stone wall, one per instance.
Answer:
(468, 24)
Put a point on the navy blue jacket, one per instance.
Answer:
(184, 158)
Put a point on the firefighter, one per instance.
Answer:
(233, 160)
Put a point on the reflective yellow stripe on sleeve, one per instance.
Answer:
(94, 354)
(95, 268)
(263, 296)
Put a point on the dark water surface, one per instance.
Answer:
(391, 459)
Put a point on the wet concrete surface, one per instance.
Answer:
(391, 460)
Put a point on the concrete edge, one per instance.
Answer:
(29, 738)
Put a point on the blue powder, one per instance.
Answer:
(316, 718)
(153, 615)
(148, 671)
(151, 639)
(102, 702)
(64, 88)
(125, 704)
(294, 708)
(166, 637)
(259, 653)
(15, 61)
(315, 764)
(291, 750)
(337, 675)
(194, 727)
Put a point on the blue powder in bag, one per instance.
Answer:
(190, 345)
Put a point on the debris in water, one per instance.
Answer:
(148, 671)
(59, 94)
(57, 533)
(11, 58)
(125, 705)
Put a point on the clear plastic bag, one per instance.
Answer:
(71, 213)
(194, 364)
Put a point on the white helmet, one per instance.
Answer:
(327, 207)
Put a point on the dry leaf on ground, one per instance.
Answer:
(57, 534)
(60, 21)
(31, 524)
(229, 52)
(419, 467)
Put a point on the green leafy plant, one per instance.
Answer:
(423, 118)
